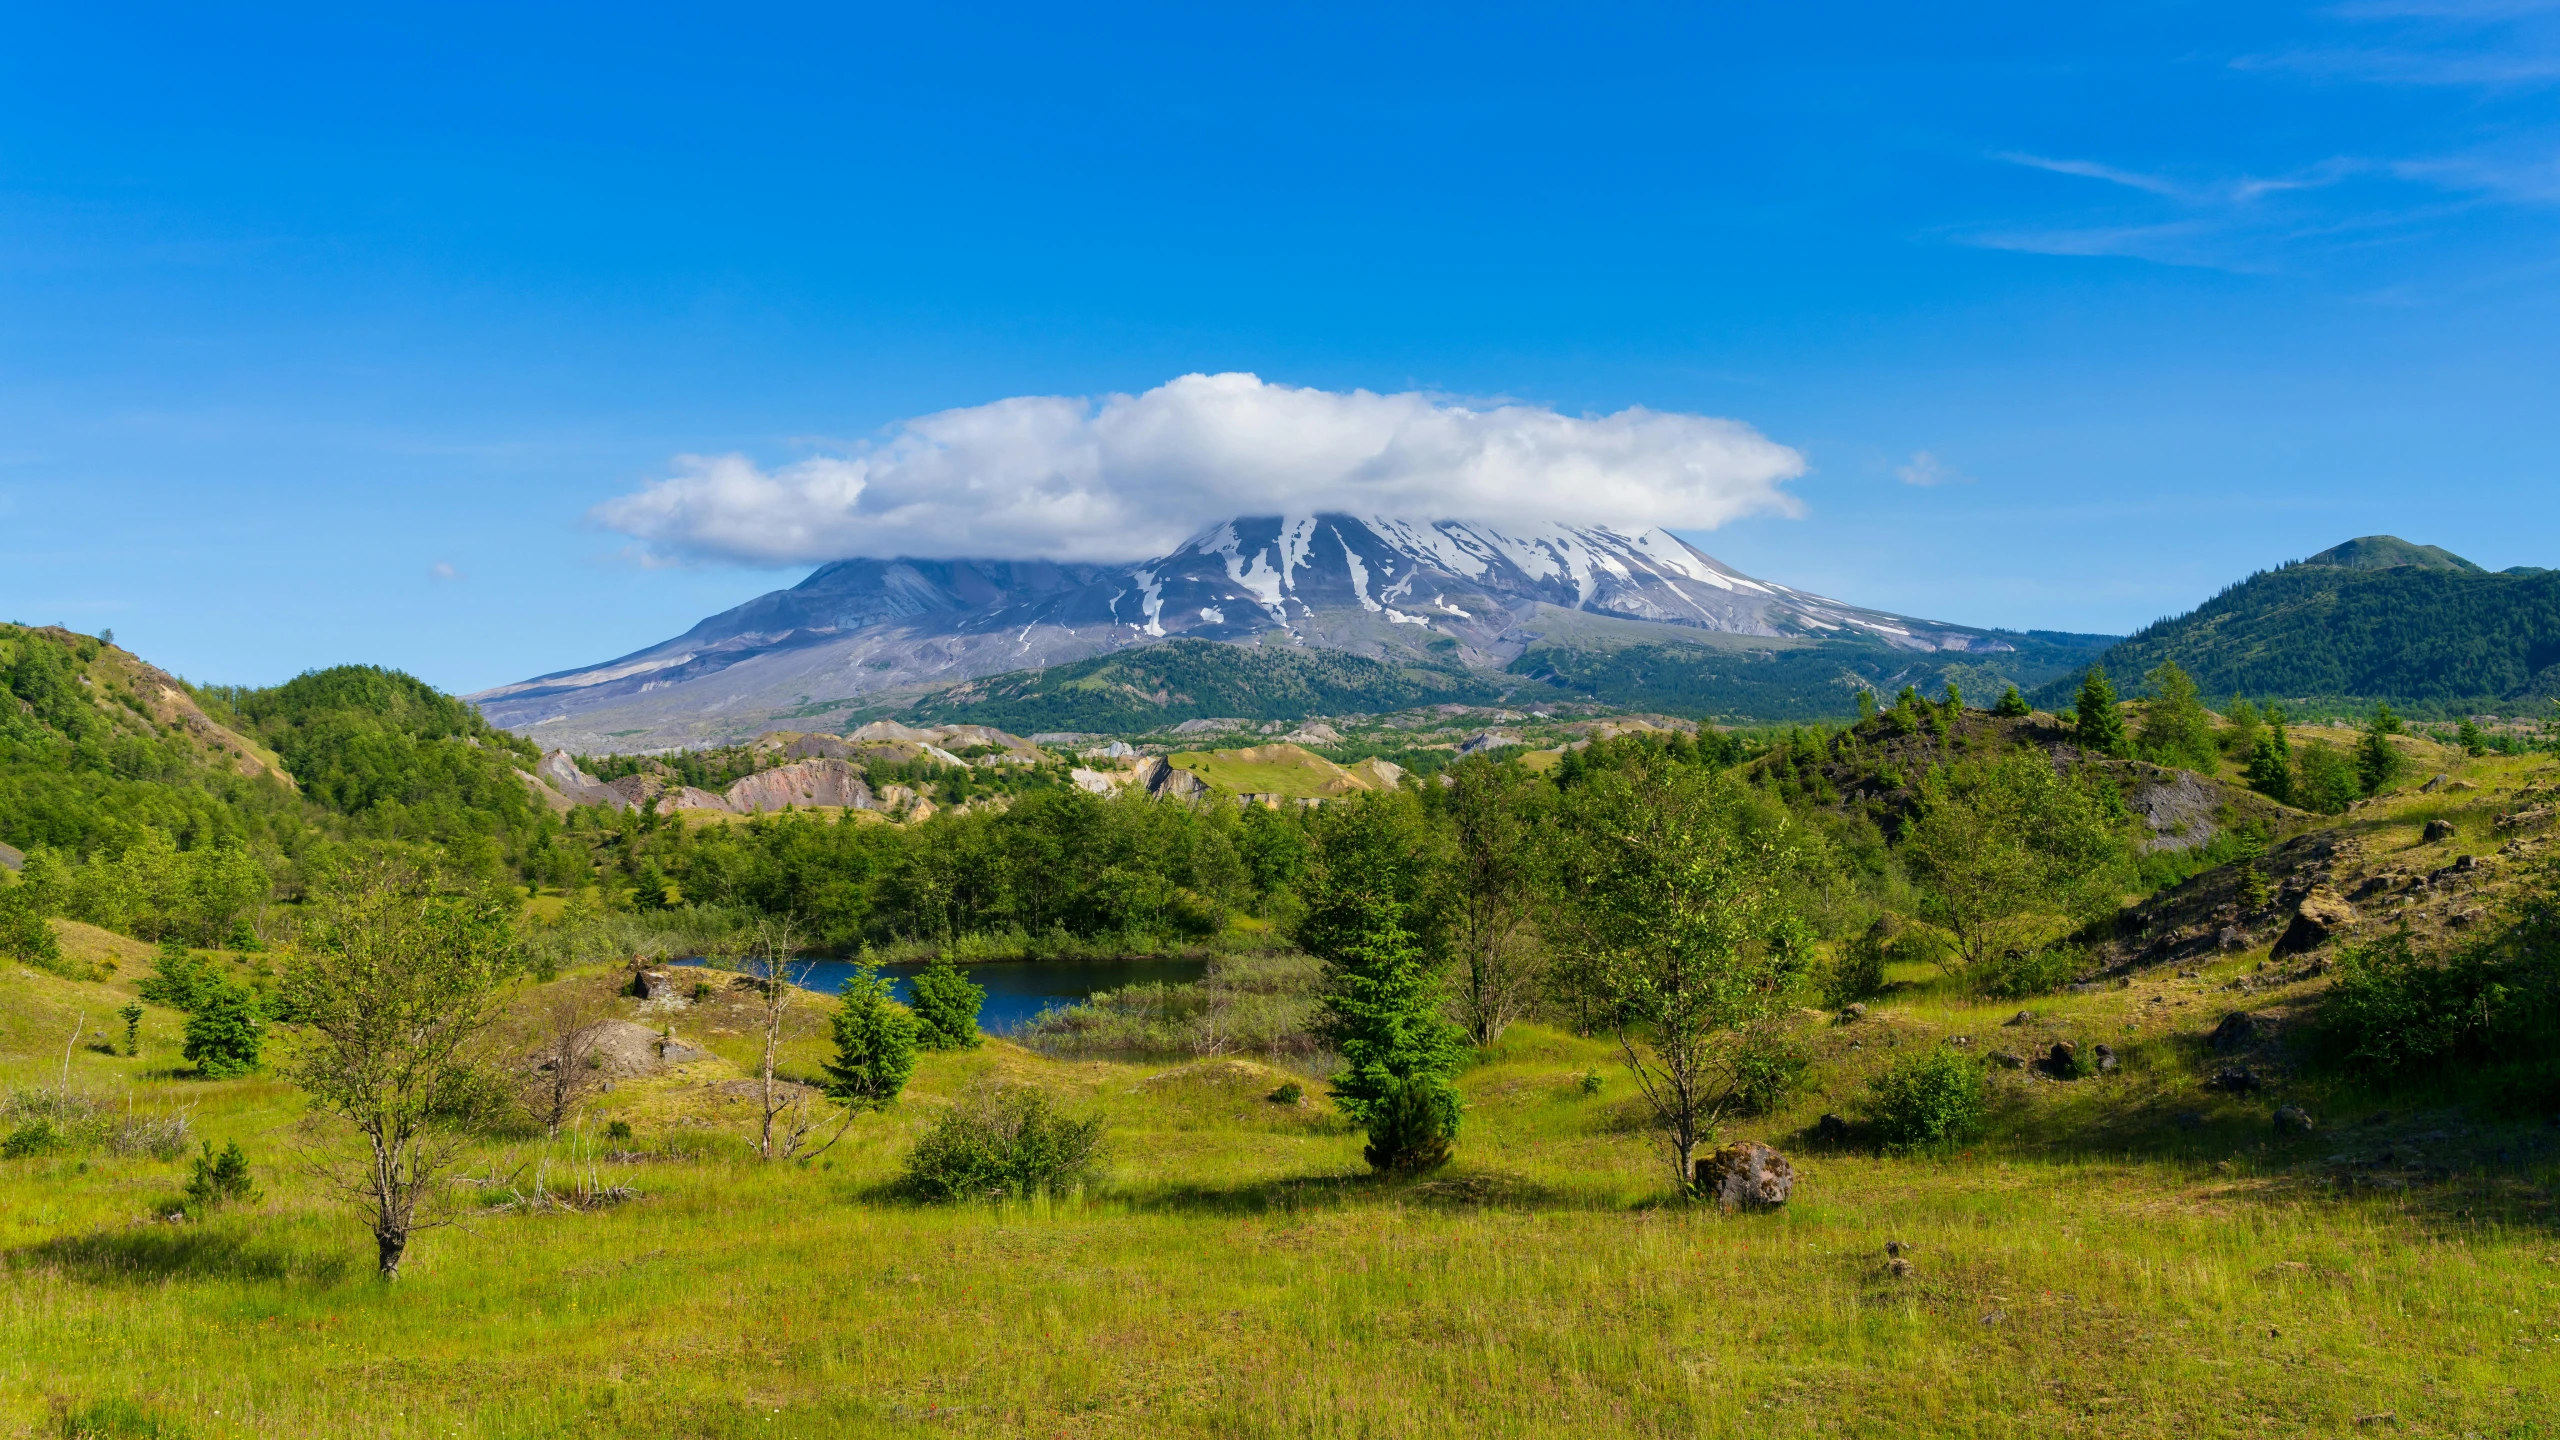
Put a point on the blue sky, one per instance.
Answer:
(322, 332)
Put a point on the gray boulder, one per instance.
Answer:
(1746, 1176)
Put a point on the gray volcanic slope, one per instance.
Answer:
(858, 631)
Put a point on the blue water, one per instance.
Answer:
(1017, 991)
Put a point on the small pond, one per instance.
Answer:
(1018, 990)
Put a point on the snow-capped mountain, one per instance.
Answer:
(1470, 593)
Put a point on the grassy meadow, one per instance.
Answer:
(2124, 1256)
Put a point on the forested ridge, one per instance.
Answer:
(2433, 639)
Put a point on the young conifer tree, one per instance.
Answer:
(946, 1006)
(875, 1043)
(2012, 706)
(2100, 723)
(1374, 920)
(2176, 729)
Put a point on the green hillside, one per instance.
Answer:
(1744, 682)
(2373, 619)
(150, 806)
(1153, 686)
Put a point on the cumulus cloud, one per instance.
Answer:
(1128, 476)
(1924, 468)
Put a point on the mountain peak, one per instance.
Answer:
(2390, 552)
(1471, 594)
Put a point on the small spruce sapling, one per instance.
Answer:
(946, 1006)
(2468, 736)
(875, 1043)
(224, 1032)
(220, 1179)
(132, 1014)
(2378, 761)
(2100, 724)
(2271, 760)
(2012, 706)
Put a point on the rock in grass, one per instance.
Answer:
(2102, 1058)
(1746, 1176)
(2008, 1060)
(2023, 1017)
(2234, 1079)
(2238, 1031)
(2436, 830)
(2293, 1120)
(1852, 1012)
(2322, 917)
(1831, 1130)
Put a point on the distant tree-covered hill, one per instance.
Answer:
(2373, 619)
(1167, 683)
(1743, 683)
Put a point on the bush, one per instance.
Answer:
(179, 979)
(224, 1034)
(32, 1138)
(1412, 1125)
(2392, 1010)
(1006, 1141)
(2018, 974)
(2325, 779)
(24, 934)
(945, 1006)
(220, 1179)
(1289, 1093)
(1857, 968)
(1764, 1066)
(1931, 1100)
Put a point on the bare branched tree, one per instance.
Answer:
(562, 1071)
(790, 1120)
(397, 986)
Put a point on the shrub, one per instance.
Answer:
(2325, 779)
(1930, 1100)
(24, 934)
(2392, 1010)
(945, 1006)
(2018, 974)
(179, 979)
(1289, 1093)
(1857, 967)
(224, 1034)
(1005, 1141)
(1412, 1125)
(221, 1179)
(33, 1138)
(1764, 1065)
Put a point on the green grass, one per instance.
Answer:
(1290, 771)
(2129, 1256)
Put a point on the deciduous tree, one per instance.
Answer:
(395, 987)
(1671, 901)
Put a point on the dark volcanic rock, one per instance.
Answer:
(2238, 1031)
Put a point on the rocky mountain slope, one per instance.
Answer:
(1463, 597)
(2376, 618)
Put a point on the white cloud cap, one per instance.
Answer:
(1131, 476)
